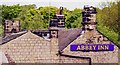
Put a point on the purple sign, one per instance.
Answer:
(92, 47)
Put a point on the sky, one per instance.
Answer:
(69, 4)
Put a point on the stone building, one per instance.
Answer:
(54, 45)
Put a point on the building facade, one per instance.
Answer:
(34, 47)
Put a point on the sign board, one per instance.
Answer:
(92, 47)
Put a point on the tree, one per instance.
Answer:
(108, 17)
(10, 12)
(47, 13)
(74, 18)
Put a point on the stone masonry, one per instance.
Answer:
(97, 57)
(30, 48)
(54, 46)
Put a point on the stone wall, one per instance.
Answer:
(27, 48)
(96, 57)
(30, 48)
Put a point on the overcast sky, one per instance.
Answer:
(69, 4)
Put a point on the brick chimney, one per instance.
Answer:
(57, 23)
(89, 20)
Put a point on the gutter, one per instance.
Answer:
(60, 53)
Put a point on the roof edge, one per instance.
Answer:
(108, 39)
(11, 37)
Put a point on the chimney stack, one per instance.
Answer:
(89, 20)
(11, 26)
(57, 23)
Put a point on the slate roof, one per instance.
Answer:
(11, 37)
(65, 37)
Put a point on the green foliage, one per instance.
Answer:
(47, 13)
(73, 19)
(109, 33)
(109, 21)
(10, 12)
(31, 20)
(1, 30)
